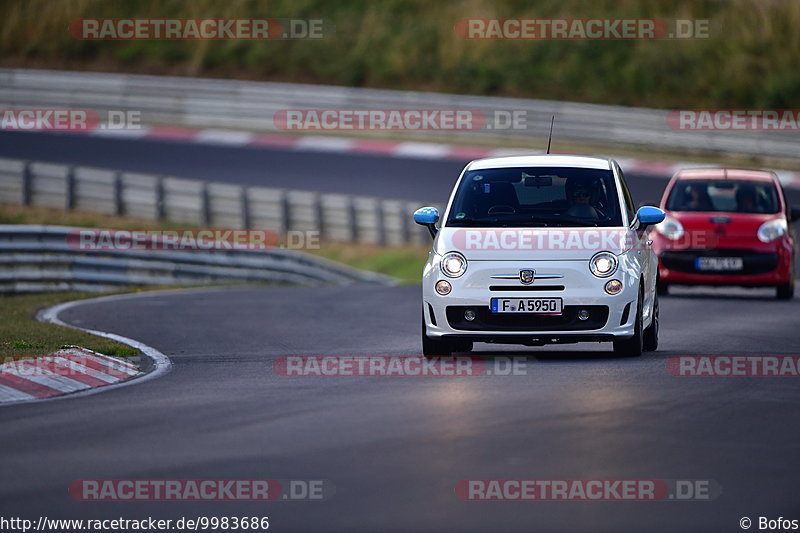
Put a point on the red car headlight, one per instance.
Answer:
(670, 228)
(772, 230)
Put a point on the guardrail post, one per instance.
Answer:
(27, 183)
(380, 222)
(285, 212)
(119, 206)
(161, 211)
(244, 201)
(70, 189)
(319, 215)
(404, 228)
(352, 216)
(205, 206)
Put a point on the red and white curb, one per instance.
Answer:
(417, 150)
(68, 370)
(104, 375)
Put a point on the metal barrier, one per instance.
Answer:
(334, 217)
(40, 258)
(248, 105)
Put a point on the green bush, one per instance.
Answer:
(751, 59)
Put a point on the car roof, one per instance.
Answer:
(725, 173)
(568, 161)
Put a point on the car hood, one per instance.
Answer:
(541, 244)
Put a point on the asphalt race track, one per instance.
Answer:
(372, 175)
(395, 447)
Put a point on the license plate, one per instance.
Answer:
(719, 264)
(537, 306)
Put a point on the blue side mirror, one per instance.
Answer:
(649, 215)
(427, 216)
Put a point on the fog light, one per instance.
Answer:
(614, 286)
(443, 287)
(583, 314)
(469, 315)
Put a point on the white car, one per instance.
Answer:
(537, 250)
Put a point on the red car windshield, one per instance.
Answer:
(732, 196)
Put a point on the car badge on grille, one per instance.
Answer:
(526, 276)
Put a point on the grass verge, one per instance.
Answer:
(21, 335)
(402, 262)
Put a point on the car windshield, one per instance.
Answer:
(733, 196)
(536, 197)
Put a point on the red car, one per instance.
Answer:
(726, 227)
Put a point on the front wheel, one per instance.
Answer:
(463, 346)
(634, 346)
(435, 347)
(661, 287)
(785, 291)
(650, 342)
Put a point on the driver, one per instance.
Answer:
(580, 196)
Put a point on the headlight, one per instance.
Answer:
(772, 230)
(453, 264)
(670, 228)
(603, 264)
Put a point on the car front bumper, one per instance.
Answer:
(766, 265)
(610, 317)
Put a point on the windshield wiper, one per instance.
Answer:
(472, 221)
(544, 221)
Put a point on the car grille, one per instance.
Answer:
(567, 321)
(517, 288)
(753, 262)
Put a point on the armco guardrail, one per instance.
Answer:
(209, 103)
(40, 258)
(332, 217)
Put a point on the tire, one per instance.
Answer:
(662, 288)
(634, 346)
(435, 347)
(650, 341)
(785, 291)
(462, 346)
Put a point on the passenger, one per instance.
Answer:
(746, 199)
